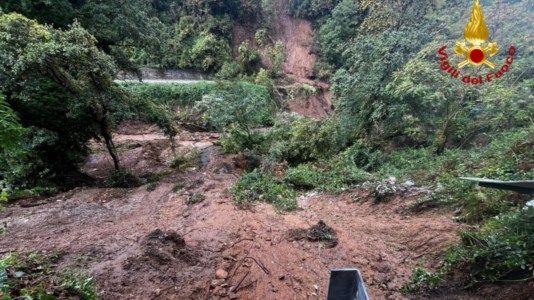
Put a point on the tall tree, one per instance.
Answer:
(36, 58)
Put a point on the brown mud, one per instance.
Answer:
(141, 244)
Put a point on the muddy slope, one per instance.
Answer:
(145, 243)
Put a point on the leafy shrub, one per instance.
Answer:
(122, 179)
(304, 176)
(248, 58)
(296, 139)
(502, 249)
(311, 9)
(276, 55)
(422, 277)
(245, 105)
(235, 140)
(262, 36)
(257, 186)
(229, 70)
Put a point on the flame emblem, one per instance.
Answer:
(476, 33)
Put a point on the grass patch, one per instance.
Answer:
(177, 187)
(33, 276)
(194, 199)
(184, 162)
(257, 186)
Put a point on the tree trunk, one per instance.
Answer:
(106, 134)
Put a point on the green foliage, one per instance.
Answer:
(265, 79)
(63, 104)
(34, 276)
(265, 187)
(311, 9)
(332, 179)
(236, 140)
(183, 162)
(122, 179)
(276, 55)
(262, 36)
(194, 199)
(296, 139)
(503, 249)
(421, 277)
(173, 95)
(229, 70)
(248, 58)
(243, 105)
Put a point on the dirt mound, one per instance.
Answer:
(165, 262)
(164, 247)
(317, 233)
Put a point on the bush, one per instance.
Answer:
(228, 71)
(235, 140)
(244, 105)
(122, 179)
(297, 139)
(311, 9)
(257, 186)
(502, 249)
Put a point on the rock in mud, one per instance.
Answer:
(221, 274)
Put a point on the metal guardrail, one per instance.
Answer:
(522, 187)
(347, 284)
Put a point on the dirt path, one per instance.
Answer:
(112, 234)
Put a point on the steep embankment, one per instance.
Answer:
(297, 36)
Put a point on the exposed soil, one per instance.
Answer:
(141, 244)
(297, 36)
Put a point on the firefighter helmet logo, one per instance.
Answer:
(477, 35)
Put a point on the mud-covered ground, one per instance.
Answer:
(146, 243)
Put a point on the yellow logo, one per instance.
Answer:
(477, 34)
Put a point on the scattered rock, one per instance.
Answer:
(216, 282)
(282, 277)
(221, 274)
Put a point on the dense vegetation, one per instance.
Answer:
(396, 113)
